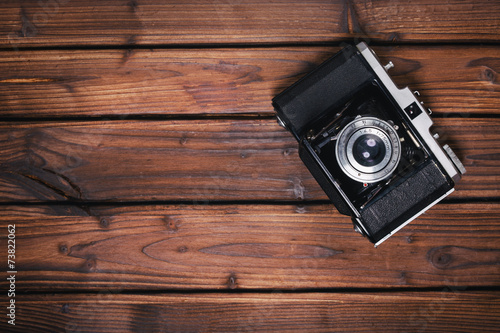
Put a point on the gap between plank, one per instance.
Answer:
(264, 115)
(262, 45)
(159, 292)
(83, 204)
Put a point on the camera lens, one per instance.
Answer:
(369, 150)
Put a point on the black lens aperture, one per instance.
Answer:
(369, 150)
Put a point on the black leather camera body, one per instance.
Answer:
(367, 143)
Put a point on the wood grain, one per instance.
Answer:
(121, 83)
(194, 161)
(152, 190)
(142, 22)
(196, 247)
(447, 310)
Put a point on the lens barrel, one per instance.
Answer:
(368, 149)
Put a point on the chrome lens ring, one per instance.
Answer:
(368, 149)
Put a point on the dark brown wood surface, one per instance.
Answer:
(194, 160)
(122, 83)
(143, 22)
(152, 190)
(248, 247)
(276, 311)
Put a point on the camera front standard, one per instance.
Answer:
(367, 143)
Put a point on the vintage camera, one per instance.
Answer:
(367, 143)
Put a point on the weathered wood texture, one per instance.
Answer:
(247, 247)
(75, 22)
(241, 81)
(204, 220)
(448, 310)
(196, 161)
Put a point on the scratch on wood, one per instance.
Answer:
(349, 20)
(46, 185)
(300, 209)
(131, 40)
(298, 189)
(28, 80)
(27, 28)
(133, 5)
(232, 281)
(80, 247)
(65, 308)
(402, 278)
(38, 80)
(126, 56)
(75, 187)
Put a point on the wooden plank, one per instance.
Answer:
(195, 247)
(447, 310)
(194, 161)
(226, 81)
(142, 22)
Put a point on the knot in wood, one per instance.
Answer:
(104, 223)
(63, 248)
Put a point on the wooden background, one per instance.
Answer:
(152, 189)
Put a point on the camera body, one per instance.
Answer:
(367, 143)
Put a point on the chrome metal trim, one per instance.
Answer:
(404, 97)
(454, 159)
